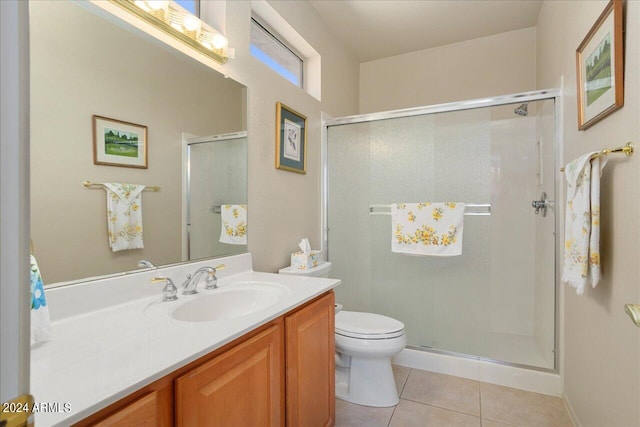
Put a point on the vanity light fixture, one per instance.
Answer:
(182, 25)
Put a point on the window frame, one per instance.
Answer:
(275, 36)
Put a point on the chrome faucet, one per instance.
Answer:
(170, 292)
(211, 282)
(143, 263)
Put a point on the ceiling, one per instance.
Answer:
(375, 29)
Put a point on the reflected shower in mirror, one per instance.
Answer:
(85, 64)
(216, 196)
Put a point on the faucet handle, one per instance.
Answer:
(212, 280)
(170, 292)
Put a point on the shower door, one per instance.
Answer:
(497, 299)
(216, 175)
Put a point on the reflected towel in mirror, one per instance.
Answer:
(234, 224)
(124, 216)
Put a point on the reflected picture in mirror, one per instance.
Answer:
(86, 64)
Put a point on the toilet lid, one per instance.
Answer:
(367, 325)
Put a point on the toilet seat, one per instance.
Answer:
(368, 326)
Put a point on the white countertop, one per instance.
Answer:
(97, 357)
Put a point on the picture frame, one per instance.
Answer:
(600, 67)
(291, 139)
(119, 143)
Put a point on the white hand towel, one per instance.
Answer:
(234, 224)
(427, 228)
(582, 222)
(40, 320)
(124, 216)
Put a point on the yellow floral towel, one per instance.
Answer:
(582, 222)
(427, 228)
(124, 214)
(234, 224)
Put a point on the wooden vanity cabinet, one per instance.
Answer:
(310, 342)
(241, 387)
(280, 374)
(151, 406)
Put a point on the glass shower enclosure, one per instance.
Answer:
(216, 175)
(495, 301)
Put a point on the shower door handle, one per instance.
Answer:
(542, 204)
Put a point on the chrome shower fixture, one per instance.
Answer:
(522, 110)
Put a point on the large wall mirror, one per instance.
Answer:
(84, 64)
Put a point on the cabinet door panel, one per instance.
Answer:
(142, 412)
(241, 387)
(310, 344)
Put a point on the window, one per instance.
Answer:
(192, 6)
(266, 47)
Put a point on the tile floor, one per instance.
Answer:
(436, 400)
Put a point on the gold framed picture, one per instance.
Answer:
(291, 139)
(118, 143)
(600, 67)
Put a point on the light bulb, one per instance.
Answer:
(219, 41)
(191, 23)
(142, 5)
(157, 4)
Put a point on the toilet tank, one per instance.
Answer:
(322, 270)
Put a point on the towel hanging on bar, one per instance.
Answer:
(582, 222)
(124, 216)
(433, 229)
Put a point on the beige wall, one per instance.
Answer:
(601, 345)
(83, 65)
(285, 206)
(488, 66)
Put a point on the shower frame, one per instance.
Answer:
(553, 94)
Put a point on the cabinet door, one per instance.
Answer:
(142, 412)
(310, 344)
(241, 387)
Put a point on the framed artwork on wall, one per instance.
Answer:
(600, 67)
(118, 143)
(291, 139)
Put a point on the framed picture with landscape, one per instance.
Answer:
(600, 67)
(118, 143)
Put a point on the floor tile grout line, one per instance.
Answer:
(440, 407)
(480, 401)
(404, 383)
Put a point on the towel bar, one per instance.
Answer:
(627, 150)
(89, 184)
(384, 209)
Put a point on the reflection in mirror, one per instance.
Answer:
(82, 65)
(216, 196)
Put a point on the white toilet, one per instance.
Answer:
(365, 343)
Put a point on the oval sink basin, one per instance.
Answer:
(229, 302)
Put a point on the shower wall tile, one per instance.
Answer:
(513, 227)
(348, 214)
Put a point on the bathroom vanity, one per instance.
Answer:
(131, 362)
